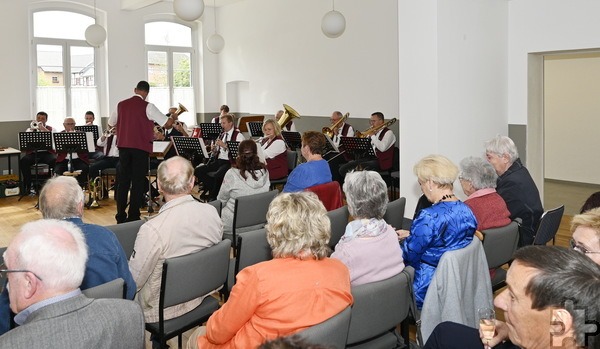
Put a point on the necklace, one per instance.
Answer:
(447, 196)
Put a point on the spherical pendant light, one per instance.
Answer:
(333, 24)
(215, 43)
(95, 35)
(188, 10)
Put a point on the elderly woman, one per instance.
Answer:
(515, 186)
(274, 150)
(585, 228)
(315, 170)
(478, 181)
(593, 201)
(300, 287)
(447, 225)
(248, 176)
(369, 247)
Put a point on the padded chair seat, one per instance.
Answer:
(384, 341)
(190, 320)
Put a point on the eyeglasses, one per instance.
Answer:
(4, 271)
(580, 248)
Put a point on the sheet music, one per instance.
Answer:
(160, 146)
(89, 137)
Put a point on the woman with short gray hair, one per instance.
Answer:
(369, 248)
(478, 180)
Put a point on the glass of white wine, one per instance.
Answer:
(487, 323)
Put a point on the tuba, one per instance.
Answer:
(328, 131)
(180, 110)
(374, 130)
(287, 116)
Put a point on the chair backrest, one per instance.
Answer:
(394, 213)
(194, 275)
(329, 193)
(252, 209)
(380, 306)
(2, 250)
(500, 244)
(217, 204)
(126, 233)
(548, 226)
(339, 220)
(292, 160)
(252, 248)
(331, 332)
(111, 289)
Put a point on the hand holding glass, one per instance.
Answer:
(487, 322)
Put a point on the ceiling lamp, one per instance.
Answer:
(333, 23)
(215, 42)
(95, 34)
(188, 10)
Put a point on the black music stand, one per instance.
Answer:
(330, 147)
(292, 139)
(357, 147)
(255, 129)
(34, 141)
(70, 142)
(210, 130)
(90, 128)
(187, 147)
(232, 148)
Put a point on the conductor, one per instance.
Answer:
(134, 119)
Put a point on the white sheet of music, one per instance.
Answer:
(89, 137)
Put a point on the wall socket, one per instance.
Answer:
(5, 172)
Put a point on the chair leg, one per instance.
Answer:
(179, 341)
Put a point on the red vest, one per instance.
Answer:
(84, 155)
(385, 158)
(277, 166)
(134, 129)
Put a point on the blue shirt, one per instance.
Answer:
(308, 174)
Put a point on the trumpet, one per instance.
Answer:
(328, 131)
(35, 125)
(109, 132)
(373, 130)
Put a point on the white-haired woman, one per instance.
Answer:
(585, 228)
(478, 181)
(369, 246)
(515, 186)
(299, 288)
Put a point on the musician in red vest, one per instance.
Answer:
(336, 160)
(43, 157)
(274, 150)
(224, 110)
(80, 161)
(134, 119)
(383, 145)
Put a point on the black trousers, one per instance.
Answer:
(102, 164)
(76, 164)
(133, 165)
(213, 182)
(28, 160)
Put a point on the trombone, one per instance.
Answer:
(373, 130)
(328, 131)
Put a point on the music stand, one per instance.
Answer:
(70, 142)
(34, 141)
(255, 129)
(90, 128)
(210, 131)
(187, 147)
(330, 147)
(357, 146)
(244, 120)
(232, 147)
(292, 139)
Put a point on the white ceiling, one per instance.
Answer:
(138, 4)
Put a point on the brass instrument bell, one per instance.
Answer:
(328, 131)
(287, 116)
(373, 130)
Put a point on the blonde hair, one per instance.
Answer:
(275, 125)
(589, 219)
(438, 169)
(298, 226)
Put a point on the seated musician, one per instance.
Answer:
(315, 170)
(178, 125)
(108, 142)
(340, 129)
(274, 150)
(89, 121)
(165, 134)
(220, 160)
(43, 157)
(289, 127)
(383, 141)
(79, 161)
(224, 110)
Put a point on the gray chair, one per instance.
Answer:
(126, 233)
(499, 245)
(394, 213)
(2, 250)
(331, 332)
(548, 226)
(111, 289)
(339, 219)
(292, 160)
(185, 278)
(218, 205)
(378, 308)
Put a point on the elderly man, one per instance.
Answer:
(515, 186)
(45, 264)
(182, 226)
(80, 160)
(551, 302)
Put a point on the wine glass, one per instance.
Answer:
(487, 323)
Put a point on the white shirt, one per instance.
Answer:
(337, 137)
(114, 150)
(276, 148)
(223, 152)
(389, 139)
(152, 113)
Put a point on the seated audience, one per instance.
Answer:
(248, 177)
(592, 202)
(369, 248)
(274, 149)
(515, 186)
(447, 225)
(45, 264)
(478, 180)
(300, 287)
(551, 302)
(79, 161)
(292, 342)
(585, 228)
(315, 170)
(182, 226)
(43, 156)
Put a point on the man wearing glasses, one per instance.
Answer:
(45, 264)
(80, 160)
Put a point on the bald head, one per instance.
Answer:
(175, 176)
(61, 197)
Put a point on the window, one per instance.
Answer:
(65, 65)
(169, 59)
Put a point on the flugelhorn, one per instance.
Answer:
(35, 125)
(287, 116)
(181, 109)
(109, 131)
(328, 131)
(373, 130)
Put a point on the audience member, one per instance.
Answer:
(45, 264)
(292, 342)
(585, 228)
(249, 176)
(182, 226)
(274, 150)
(299, 288)
(551, 302)
(315, 170)
(43, 156)
(79, 161)
(369, 247)
(515, 186)
(592, 202)
(447, 225)
(478, 180)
